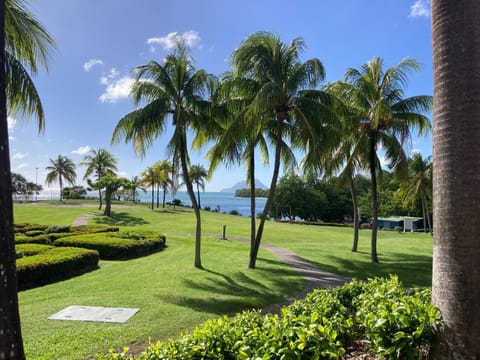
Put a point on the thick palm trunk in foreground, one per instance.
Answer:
(456, 176)
(373, 175)
(11, 345)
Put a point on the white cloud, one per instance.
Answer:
(107, 79)
(19, 155)
(12, 138)
(421, 8)
(11, 122)
(117, 89)
(87, 66)
(191, 38)
(82, 150)
(21, 166)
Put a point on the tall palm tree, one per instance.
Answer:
(456, 160)
(418, 186)
(62, 168)
(149, 178)
(99, 162)
(238, 139)
(173, 89)
(134, 185)
(375, 98)
(26, 44)
(198, 174)
(282, 97)
(162, 169)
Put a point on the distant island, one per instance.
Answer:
(263, 193)
(243, 185)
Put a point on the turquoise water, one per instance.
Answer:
(224, 202)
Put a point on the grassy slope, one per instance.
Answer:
(173, 296)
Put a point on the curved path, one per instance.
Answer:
(315, 278)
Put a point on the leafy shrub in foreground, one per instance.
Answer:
(322, 326)
(57, 229)
(397, 322)
(111, 247)
(53, 264)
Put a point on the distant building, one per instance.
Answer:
(407, 223)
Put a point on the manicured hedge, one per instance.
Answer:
(47, 234)
(50, 264)
(117, 246)
(327, 324)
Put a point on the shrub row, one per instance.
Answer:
(115, 246)
(47, 234)
(322, 326)
(49, 264)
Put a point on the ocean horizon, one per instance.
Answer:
(224, 202)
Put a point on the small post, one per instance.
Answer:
(224, 232)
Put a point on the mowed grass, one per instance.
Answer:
(174, 296)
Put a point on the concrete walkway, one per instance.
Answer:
(82, 220)
(315, 278)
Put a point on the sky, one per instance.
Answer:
(86, 89)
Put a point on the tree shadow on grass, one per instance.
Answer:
(120, 219)
(412, 270)
(228, 294)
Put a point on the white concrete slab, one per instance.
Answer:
(95, 313)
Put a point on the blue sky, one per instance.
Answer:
(85, 92)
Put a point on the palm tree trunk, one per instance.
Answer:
(158, 195)
(373, 174)
(60, 182)
(108, 202)
(164, 195)
(424, 213)
(11, 345)
(251, 171)
(191, 194)
(456, 181)
(268, 203)
(153, 195)
(427, 215)
(198, 196)
(353, 192)
(100, 199)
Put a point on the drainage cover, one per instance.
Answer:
(95, 313)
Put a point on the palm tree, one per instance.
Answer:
(171, 89)
(99, 162)
(236, 142)
(282, 98)
(61, 169)
(456, 160)
(198, 174)
(165, 167)
(418, 186)
(375, 98)
(135, 184)
(26, 44)
(149, 178)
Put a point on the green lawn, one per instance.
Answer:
(174, 296)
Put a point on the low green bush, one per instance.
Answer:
(53, 264)
(24, 227)
(112, 247)
(322, 326)
(57, 229)
(396, 321)
(32, 249)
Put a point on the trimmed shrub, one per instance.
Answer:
(322, 326)
(24, 227)
(54, 264)
(57, 229)
(112, 247)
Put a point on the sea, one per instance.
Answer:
(218, 201)
(223, 202)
